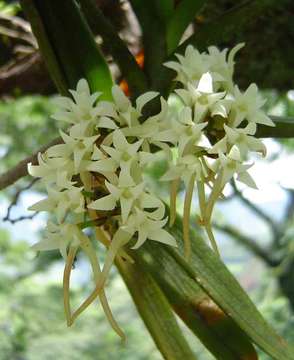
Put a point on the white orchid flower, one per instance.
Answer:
(223, 64)
(242, 138)
(185, 168)
(126, 196)
(188, 131)
(52, 169)
(124, 154)
(140, 222)
(189, 67)
(81, 109)
(202, 98)
(126, 113)
(231, 165)
(79, 147)
(59, 237)
(247, 106)
(60, 202)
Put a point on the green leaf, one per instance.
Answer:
(155, 311)
(182, 16)
(284, 128)
(129, 68)
(67, 45)
(152, 21)
(207, 269)
(217, 331)
(164, 9)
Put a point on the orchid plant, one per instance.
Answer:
(95, 178)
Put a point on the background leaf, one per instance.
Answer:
(68, 45)
(183, 15)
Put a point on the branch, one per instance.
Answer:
(20, 170)
(21, 218)
(247, 242)
(275, 227)
(27, 73)
(14, 202)
(284, 128)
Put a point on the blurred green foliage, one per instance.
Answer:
(7, 8)
(25, 125)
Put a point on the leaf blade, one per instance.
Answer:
(67, 44)
(182, 16)
(215, 279)
(219, 333)
(155, 311)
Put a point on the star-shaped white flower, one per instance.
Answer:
(147, 228)
(81, 109)
(59, 237)
(242, 138)
(190, 66)
(78, 147)
(185, 167)
(188, 131)
(60, 202)
(222, 64)
(51, 170)
(124, 195)
(202, 97)
(231, 165)
(124, 154)
(248, 106)
(126, 113)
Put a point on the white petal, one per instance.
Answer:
(125, 178)
(142, 237)
(162, 236)
(171, 174)
(126, 206)
(46, 244)
(120, 98)
(105, 165)
(145, 98)
(43, 205)
(105, 122)
(119, 140)
(234, 154)
(261, 118)
(246, 178)
(106, 203)
(205, 83)
(105, 108)
(83, 86)
(220, 146)
(232, 134)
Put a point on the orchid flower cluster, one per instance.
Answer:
(95, 177)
